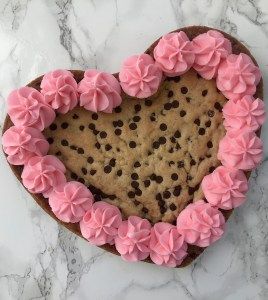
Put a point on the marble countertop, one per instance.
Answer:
(41, 260)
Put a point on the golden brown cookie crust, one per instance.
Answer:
(193, 251)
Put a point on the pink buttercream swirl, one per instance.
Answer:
(99, 91)
(174, 53)
(246, 114)
(133, 238)
(240, 150)
(70, 201)
(21, 143)
(60, 90)
(210, 49)
(238, 76)
(100, 224)
(167, 245)
(225, 188)
(42, 174)
(201, 224)
(139, 76)
(26, 107)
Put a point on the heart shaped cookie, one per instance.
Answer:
(146, 156)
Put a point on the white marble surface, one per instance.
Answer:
(41, 260)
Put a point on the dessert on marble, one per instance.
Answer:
(150, 162)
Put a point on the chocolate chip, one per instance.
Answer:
(192, 162)
(132, 144)
(95, 116)
(137, 108)
(135, 184)
(53, 126)
(145, 210)
(184, 90)
(131, 194)
(218, 106)
(120, 123)
(152, 118)
(118, 109)
(96, 132)
(148, 102)
(132, 126)
(163, 210)
(158, 197)
(136, 202)
(136, 118)
(90, 160)
(178, 146)
(180, 164)
(162, 140)
(167, 106)
(173, 140)
(115, 123)
(189, 177)
(170, 94)
(159, 179)
(201, 131)
(97, 145)
(73, 147)
(176, 79)
(188, 99)
(74, 176)
(118, 131)
(153, 177)
(209, 144)
(177, 191)
(197, 122)
(211, 113)
(177, 134)
(204, 93)
(64, 125)
(208, 123)
(171, 150)
(147, 182)
(50, 140)
(166, 194)
(171, 163)
(163, 127)
(182, 113)
(108, 147)
(82, 180)
(134, 176)
(191, 190)
(119, 173)
(107, 169)
(58, 153)
(174, 176)
(156, 145)
(103, 134)
(112, 162)
(172, 207)
(84, 171)
(82, 127)
(211, 169)
(64, 143)
(91, 126)
(175, 104)
(138, 192)
(75, 116)
(137, 164)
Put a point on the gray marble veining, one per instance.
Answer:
(41, 260)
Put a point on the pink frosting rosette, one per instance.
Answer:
(210, 49)
(201, 224)
(133, 238)
(139, 76)
(167, 245)
(99, 91)
(43, 174)
(60, 90)
(26, 107)
(100, 224)
(225, 188)
(21, 143)
(70, 201)
(174, 53)
(246, 114)
(238, 76)
(240, 150)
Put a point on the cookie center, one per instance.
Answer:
(149, 156)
